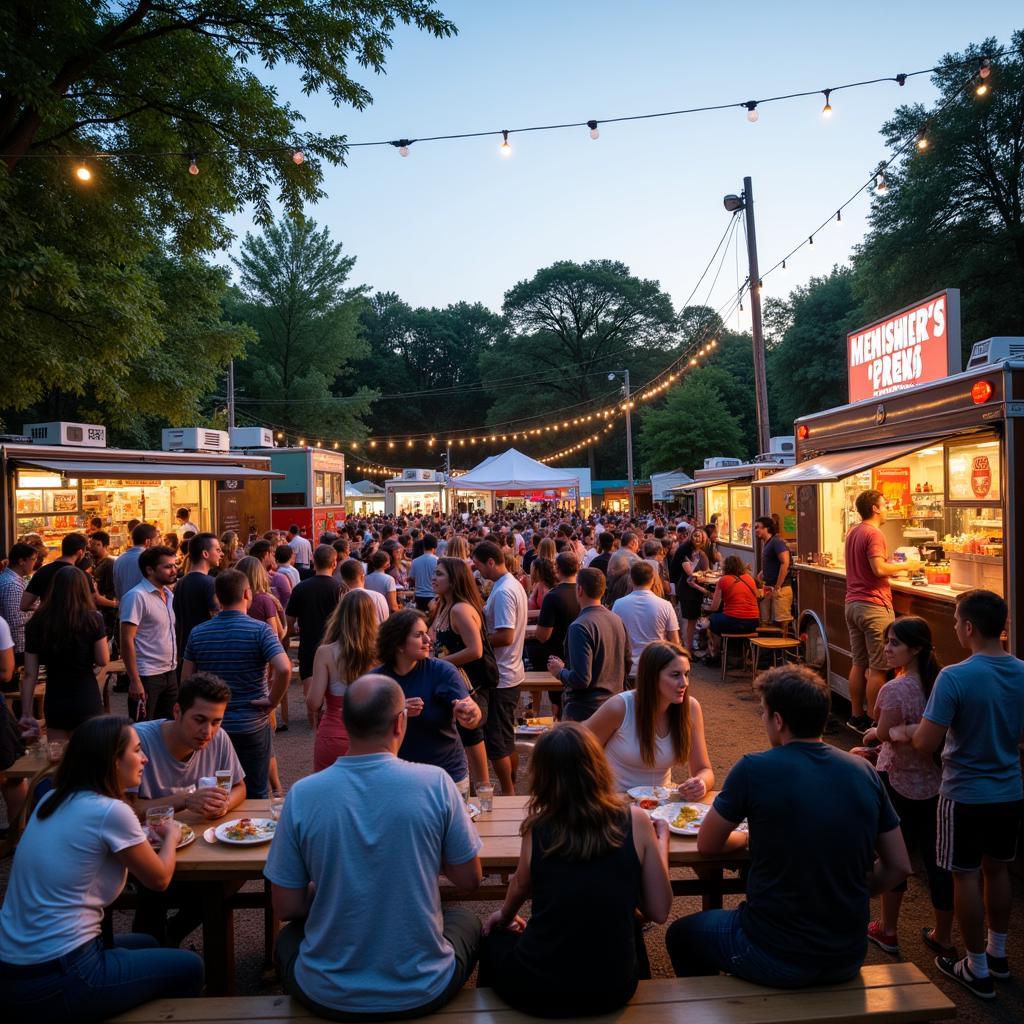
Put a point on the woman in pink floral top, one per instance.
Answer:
(911, 778)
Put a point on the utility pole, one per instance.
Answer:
(756, 328)
(624, 374)
(231, 395)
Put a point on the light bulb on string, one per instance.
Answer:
(298, 157)
(193, 167)
(980, 89)
(922, 141)
(984, 68)
(402, 145)
(594, 133)
(752, 114)
(82, 173)
(506, 148)
(826, 111)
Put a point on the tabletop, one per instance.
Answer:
(499, 830)
(28, 765)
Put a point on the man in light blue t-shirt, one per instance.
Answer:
(421, 571)
(977, 707)
(354, 871)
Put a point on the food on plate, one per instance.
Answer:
(686, 816)
(187, 835)
(247, 828)
(647, 803)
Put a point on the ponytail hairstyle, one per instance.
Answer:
(915, 632)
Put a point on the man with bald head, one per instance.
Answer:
(364, 841)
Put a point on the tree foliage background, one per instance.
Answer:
(111, 309)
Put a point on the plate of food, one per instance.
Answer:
(246, 831)
(188, 835)
(530, 729)
(682, 819)
(649, 797)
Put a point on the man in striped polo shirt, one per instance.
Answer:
(238, 649)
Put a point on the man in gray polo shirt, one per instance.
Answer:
(148, 641)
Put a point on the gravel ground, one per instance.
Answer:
(733, 724)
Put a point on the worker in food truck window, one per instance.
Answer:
(868, 606)
(183, 523)
(777, 603)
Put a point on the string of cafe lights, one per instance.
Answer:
(919, 139)
(84, 163)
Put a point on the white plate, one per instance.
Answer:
(660, 793)
(187, 837)
(531, 730)
(667, 812)
(267, 827)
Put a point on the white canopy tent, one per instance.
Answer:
(514, 471)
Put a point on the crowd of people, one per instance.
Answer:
(412, 648)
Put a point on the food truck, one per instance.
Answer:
(309, 491)
(945, 449)
(56, 477)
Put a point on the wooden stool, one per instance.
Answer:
(725, 638)
(778, 646)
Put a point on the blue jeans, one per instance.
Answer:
(92, 983)
(254, 751)
(713, 941)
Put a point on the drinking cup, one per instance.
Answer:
(224, 779)
(276, 804)
(208, 782)
(485, 797)
(157, 818)
(55, 751)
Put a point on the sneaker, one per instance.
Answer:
(937, 947)
(998, 966)
(882, 940)
(859, 723)
(960, 972)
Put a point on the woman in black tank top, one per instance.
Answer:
(588, 862)
(456, 629)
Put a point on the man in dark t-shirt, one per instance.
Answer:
(558, 610)
(605, 543)
(310, 606)
(72, 551)
(823, 838)
(195, 598)
(103, 577)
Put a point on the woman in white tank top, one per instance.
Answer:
(647, 731)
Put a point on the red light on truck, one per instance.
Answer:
(981, 392)
(803, 431)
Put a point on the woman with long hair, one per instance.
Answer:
(231, 548)
(67, 635)
(542, 573)
(265, 605)
(347, 651)
(71, 863)
(734, 604)
(456, 631)
(437, 697)
(692, 557)
(911, 778)
(458, 547)
(648, 731)
(588, 862)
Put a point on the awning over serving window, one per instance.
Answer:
(698, 484)
(148, 470)
(836, 465)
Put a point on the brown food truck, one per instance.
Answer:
(52, 489)
(948, 457)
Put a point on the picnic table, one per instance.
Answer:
(222, 869)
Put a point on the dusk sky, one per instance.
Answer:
(455, 221)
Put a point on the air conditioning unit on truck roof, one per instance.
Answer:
(719, 462)
(194, 439)
(995, 350)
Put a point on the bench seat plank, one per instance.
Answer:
(881, 994)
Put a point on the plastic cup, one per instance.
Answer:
(208, 782)
(485, 797)
(224, 779)
(55, 751)
(276, 804)
(156, 819)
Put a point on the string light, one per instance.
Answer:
(984, 67)
(402, 145)
(193, 167)
(826, 111)
(82, 173)
(506, 148)
(922, 141)
(752, 114)
(298, 157)
(980, 89)
(594, 133)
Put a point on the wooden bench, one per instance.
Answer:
(880, 994)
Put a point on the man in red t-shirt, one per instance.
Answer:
(868, 606)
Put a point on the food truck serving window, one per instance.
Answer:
(741, 514)
(941, 501)
(716, 503)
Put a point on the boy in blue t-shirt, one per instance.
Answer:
(977, 707)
